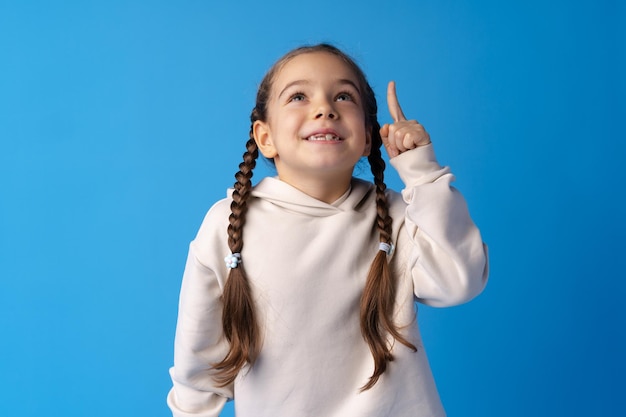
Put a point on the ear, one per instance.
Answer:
(263, 139)
(368, 143)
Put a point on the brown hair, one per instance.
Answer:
(377, 302)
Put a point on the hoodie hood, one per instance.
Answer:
(277, 192)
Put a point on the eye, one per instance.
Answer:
(345, 96)
(299, 96)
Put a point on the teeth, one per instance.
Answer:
(328, 137)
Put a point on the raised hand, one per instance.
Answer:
(402, 134)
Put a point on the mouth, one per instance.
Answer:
(323, 137)
(324, 134)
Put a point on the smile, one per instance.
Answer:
(328, 137)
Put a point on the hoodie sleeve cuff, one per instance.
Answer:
(418, 166)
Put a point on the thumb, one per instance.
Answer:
(390, 147)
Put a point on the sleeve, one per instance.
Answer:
(199, 342)
(439, 245)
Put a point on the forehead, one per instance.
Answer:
(314, 66)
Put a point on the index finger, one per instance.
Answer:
(392, 103)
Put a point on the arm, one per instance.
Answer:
(439, 243)
(440, 246)
(199, 343)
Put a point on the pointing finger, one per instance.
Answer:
(392, 103)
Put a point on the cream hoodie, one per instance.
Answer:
(307, 262)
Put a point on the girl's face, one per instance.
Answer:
(316, 124)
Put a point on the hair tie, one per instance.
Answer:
(232, 260)
(386, 247)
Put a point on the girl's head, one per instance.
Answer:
(349, 96)
(311, 94)
(315, 125)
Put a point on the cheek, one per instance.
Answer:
(284, 120)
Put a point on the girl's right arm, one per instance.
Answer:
(199, 343)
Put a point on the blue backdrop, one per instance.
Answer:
(121, 122)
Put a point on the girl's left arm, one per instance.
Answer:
(438, 243)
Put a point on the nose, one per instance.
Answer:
(326, 110)
(330, 114)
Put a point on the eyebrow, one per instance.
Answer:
(307, 82)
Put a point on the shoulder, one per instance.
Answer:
(215, 221)
(367, 193)
(218, 210)
(397, 206)
(394, 198)
(210, 244)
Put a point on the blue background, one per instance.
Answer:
(121, 122)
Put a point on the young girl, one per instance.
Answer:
(298, 297)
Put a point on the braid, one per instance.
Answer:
(377, 165)
(238, 317)
(379, 294)
(242, 186)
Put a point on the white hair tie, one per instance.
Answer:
(232, 260)
(388, 248)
